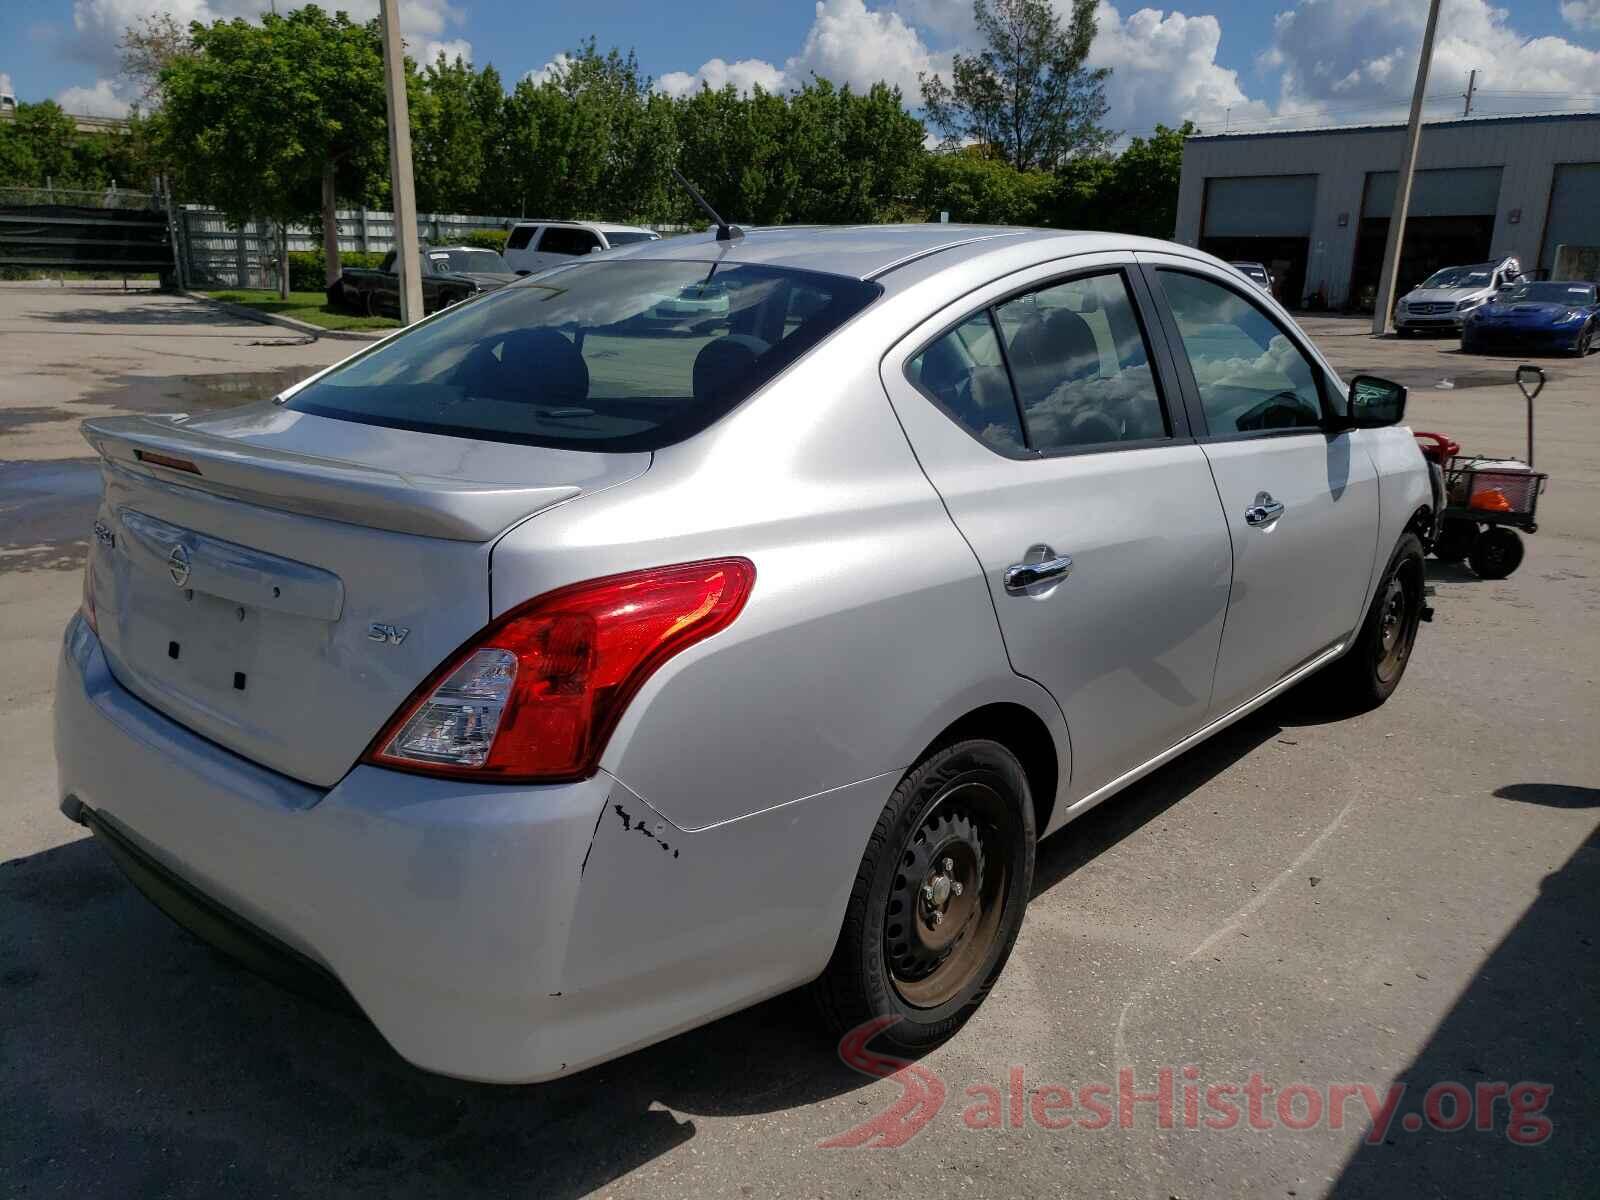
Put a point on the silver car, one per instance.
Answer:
(1444, 300)
(552, 677)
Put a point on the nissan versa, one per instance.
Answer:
(568, 670)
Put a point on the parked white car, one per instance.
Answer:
(1442, 302)
(537, 245)
(551, 680)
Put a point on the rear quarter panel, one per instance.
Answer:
(869, 628)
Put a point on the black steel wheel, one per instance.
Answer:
(1498, 552)
(1372, 668)
(938, 899)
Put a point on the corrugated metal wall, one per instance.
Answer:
(1526, 151)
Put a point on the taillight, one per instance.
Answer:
(534, 697)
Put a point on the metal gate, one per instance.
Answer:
(122, 233)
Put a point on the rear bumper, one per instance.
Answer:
(492, 933)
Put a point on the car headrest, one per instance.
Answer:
(1072, 344)
(552, 360)
(720, 363)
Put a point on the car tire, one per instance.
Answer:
(1497, 552)
(1585, 343)
(1371, 670)
(1457, 536)
(1470, 345)
(955, 843)
(1401, 331)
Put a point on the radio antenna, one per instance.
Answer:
(725, 232)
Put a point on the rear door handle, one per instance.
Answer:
(1264, 511)
(1022, 576)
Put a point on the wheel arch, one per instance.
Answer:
(1023, 732)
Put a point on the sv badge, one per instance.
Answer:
(391, 634)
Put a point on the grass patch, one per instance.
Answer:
(310, 307)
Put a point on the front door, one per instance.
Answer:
(1039, 413)
(1301, 500)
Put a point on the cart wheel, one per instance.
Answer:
(1457, 536)
(1498, 552)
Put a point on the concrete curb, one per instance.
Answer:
(305, 327)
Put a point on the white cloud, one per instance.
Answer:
(847, 43)
(101, 100)
(717, 73)
(1582, 14)
(100, 24)
(1164, 70)
(452, 50)
(550, 70)
(1358, 58)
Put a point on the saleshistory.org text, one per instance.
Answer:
(1178, 1098)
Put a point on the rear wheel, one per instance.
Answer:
(1371, 670)
(938, 899)
(1498, 552)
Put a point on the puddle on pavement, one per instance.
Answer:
(196, 393)
(46, 509)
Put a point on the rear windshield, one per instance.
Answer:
(624, 238)
(597, 356)
(468, 260)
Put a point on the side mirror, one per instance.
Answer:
(1375, 403)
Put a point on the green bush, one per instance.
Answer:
(307, 271)
(488, 239)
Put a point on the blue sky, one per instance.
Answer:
(1224, 63)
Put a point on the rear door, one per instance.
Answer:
(519, 247)
(1043, 411)
(1301, 501)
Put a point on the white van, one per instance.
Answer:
(535, 245)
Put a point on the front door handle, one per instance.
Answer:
(1264, 511)
(1022, 576)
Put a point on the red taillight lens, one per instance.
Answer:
(535, 696)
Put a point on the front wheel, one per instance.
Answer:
(938, 899)
(1372, 668)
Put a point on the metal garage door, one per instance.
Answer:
(1574, 210)
(1260, 206)
(1458, 192)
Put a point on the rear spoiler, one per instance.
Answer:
(163, 449)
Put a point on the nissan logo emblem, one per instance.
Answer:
(178, 565)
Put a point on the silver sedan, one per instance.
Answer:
(564, 672)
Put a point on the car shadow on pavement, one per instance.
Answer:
(175, 310)
(134, 1061)
(1529, 1019)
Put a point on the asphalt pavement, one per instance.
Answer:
(1312, 918)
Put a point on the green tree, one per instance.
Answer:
(448, 136)
(1029, 94)
(273, 120)
(36, 147)
(974, 185)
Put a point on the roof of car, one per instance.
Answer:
(602, 226)
(869, 251)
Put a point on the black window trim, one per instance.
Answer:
(1157, 351)
(1185, 371)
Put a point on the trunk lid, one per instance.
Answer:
(280, 582)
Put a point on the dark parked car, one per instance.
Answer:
(1549, 315)
(450, 274)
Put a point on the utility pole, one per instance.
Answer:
(406, 263)
(1472, 86)
(1402, 188)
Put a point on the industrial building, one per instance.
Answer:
(1314, 204)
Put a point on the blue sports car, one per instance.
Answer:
(1551, 315)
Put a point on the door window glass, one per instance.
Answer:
(965, 374)
(1250, 375)
(561, 240)
(520, 237)
(1081, 368)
